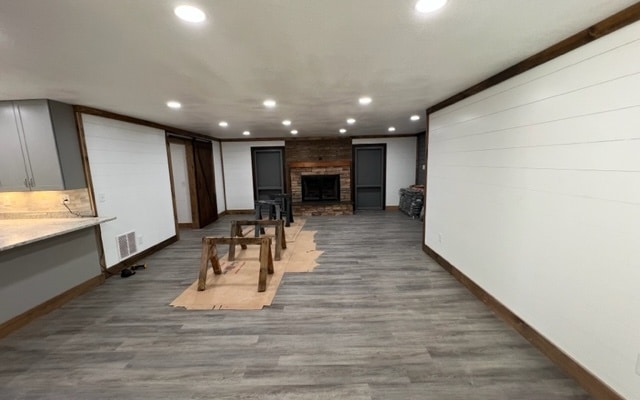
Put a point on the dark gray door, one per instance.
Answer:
(369, 171)
(268, 171)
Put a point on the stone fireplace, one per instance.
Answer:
(316, 161)
(324, 204)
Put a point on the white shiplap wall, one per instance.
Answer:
(130, 174)
(401, 164)
(217, 168)
(236, 158)
(534, 193)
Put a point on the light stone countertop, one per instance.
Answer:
(20, 232)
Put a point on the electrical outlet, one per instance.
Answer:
(64, 199)
(439, 237)
(140, 241)
(638, 364)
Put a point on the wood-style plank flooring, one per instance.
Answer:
(377, 319)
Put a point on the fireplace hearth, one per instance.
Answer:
(321, 188)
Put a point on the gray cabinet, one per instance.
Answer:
(40, 149)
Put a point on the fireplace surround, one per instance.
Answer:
(320, 188)
(334, 203)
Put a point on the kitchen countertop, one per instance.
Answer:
(20, 232)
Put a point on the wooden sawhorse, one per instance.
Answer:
(236, 231)
(210, 253)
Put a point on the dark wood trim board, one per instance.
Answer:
(611, 24)
(115, 269)
(138, 121)
(586, 379)
(58, 301)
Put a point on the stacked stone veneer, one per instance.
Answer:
(296, 180)
(319, 157)
(345, 206)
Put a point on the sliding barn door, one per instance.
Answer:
(205, 183)
(369, 171)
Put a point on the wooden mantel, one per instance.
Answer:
(320, 163)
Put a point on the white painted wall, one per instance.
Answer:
(130, 174)
(181, 182)
(236, 158)
(401, 164)
(217, 169)
(534, 193)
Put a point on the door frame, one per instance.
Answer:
(354, 194)
(188, 148)
(193, 181)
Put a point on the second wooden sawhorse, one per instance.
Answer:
(236, 231)
(210, 254)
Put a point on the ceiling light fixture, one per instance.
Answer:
(174, 104)
(364, 100)
(246, 133)
(286, 122)
(343, 130)
(415, 117)
(427, 6)
(351, 121)
(190, 13)
(392, 129)
(294, 132)
(269, 103)
(223, 124)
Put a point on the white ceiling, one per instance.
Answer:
(315, 57)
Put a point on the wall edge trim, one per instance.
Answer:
(115, 269)
(46, 307)
(608, 25)
(590, 382)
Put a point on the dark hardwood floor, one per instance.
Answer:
(377, 319)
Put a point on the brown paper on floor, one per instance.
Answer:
(237, 287)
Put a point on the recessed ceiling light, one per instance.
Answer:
(190, 13)
(415, 117)
(223, 124)
(364, 100)
(351, 121)
(269, 103)
(246, 133)
(173, 104)
(286, 122)
(294, 132)
(392, 129)
(427, 6)
(343, 130)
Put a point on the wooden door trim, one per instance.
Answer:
(191, 176)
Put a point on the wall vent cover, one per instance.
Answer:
(126, 244)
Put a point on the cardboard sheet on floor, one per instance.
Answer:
(237, 287)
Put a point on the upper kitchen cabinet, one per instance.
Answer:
(40, 149)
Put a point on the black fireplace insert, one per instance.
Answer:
(320, 187)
